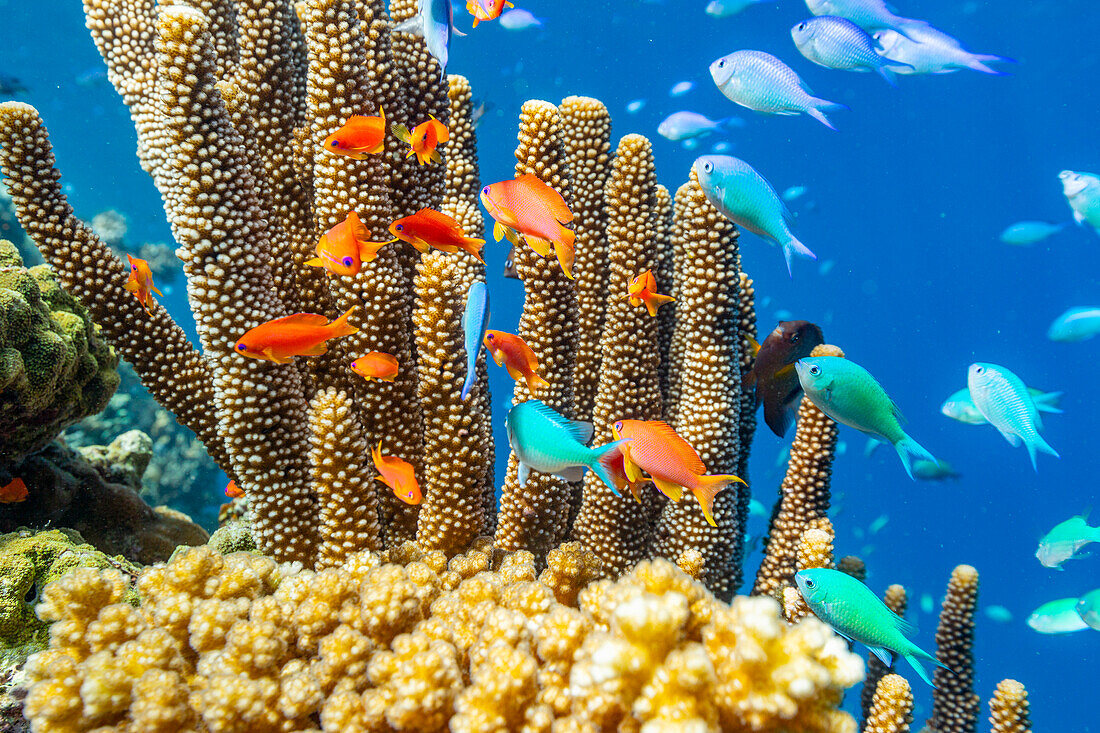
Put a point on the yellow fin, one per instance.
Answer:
(669, 489)
(541, 246)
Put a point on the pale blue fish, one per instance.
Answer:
(1088, 608)
(928, 50)
(849, 394)
(1076, 324)
(434, 22)
(721, 147)
(635, 106)
(1004, 401)
(826, 267)
(518, 19)
(757, 509)
(960, 405)
(681, 88)
(728, 8)
(841, 448)
(878, 523)
(744, 197)
(684, 125)
(1082, 192)
(1000, 614)
(1065, 540)
(793, 193)
(1026, 233)
(838, 43)
(690, 144)
(763, 83)
(1057, 617)
(544, 440)
(933, 470)
(474, 323)
(870, 15)
(927, 603)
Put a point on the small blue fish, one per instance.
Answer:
(960, 405)
(1000, 614)
(635, 106)
(474, 323)
(685, 125)
(1026, 233)
(728, 8)
(928, 50)
(743, 196)
(1076, 324)
(1065, 540)
(1004, 401)
(519, 19)
(933, 470)
(681, 88)
(544, 440)
(434, 22)
(870, 15)
(838, 43)
(763, 83)
(1088, 608)
(1082, 191)
(793, 193)
(1057, 617)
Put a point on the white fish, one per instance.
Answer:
(434, 22)
(757, 509)
(721, 147)
(763, 83)
(681, 88)
(635, 106)
(928, 50)
(684, 125)
(838, 43)
(960, 405)
(826, 267)
(1088, 608)
(518, 19)
(727, 8)
(1057, 617)
(1082, 191)
(1024, 233)
(879, 522)
(870, 15)
(1065, 540)
(926, 603)
(1076, 324)
(1004, 401)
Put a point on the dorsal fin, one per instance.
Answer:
(680, 447)
(301, 319)
(574, 428)
(547, 195)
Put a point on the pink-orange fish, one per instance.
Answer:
(486, 9)
(670, 461)
(359, 137)
(513, 353)
(616, 465)
(643, 290)
(423, 140)
(300, 334)
(233, 491)
(344, 248)
(376, 365)
(429, 228)
(398, 474)
(140, 282)
(13, 492)
(526, 206)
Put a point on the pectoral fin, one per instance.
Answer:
(523, 472)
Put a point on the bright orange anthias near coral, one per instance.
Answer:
(233, 491)
(423, 140)
(359, 137)
(300, 334)
(672, 464)
(13, 492)
(343, 249)
(513, 353)
(141, 282)
(486, 9)
(375, 365)
(398, 474)
(643, 290)
(526, 206)
(616, 464)
(428, 228)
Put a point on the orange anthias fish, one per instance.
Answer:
(424, 138)
(343, 249)
(376, 365)
(398, 474)
(513, 353)
(486, 9)
(233, 491)
(429, 228)
(359, 137)
(616, 464)
(301, 334)
(141, 282)
(527, 206)
(643, 289)
(670, 461)
(14, 492)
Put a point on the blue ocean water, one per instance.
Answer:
(906, 200)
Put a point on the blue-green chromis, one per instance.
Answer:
(1082, 192)
(1057, 617)
(1065, 540)
(1007, 404)
(544, 440)
(1088, 608)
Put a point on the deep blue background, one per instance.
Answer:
(907, 198)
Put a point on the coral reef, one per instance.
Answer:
(955, 705)
(1008, 708)
(896, 600)
(891, 709)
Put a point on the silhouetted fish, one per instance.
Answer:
(510, 264)
(10, 86)
(773, 378)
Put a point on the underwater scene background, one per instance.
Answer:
(903, 205)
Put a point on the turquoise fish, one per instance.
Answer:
(544, 440)
(1076, 324)
(1026, 233)
(933, 470)
(1082, 192)
(960, 405)
(474, 322)
(763, 83)
(857, 614)
(1057, 617)
(1065, 540)
(848, 393)
(744, 197)
(1004, 401)
(1088, 608)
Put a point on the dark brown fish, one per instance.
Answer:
(510, 264)
(773, 378)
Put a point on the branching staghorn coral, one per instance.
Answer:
(1009, 711)
(955, 705)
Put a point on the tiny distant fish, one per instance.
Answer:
(475, 320)
(1088, 608)
(793, 193)
(1000, 614)
(928, 50)
(1065, 540)
(878, 524)
(838, 43)
(1076, 324)
(783, 315)
(684, 125)
(690, 144)
(960, 405)
(870, 15)
(826, 267)
(635, 106)
(926, 603)
(481, 108)
(1082, 191)
(841, 447)
(434, 21)
(681, 88)
(757, 509)
(933, 470)
(1004, 401)
(721, 147)
(510, 264)
(728, 8)
(763, 83)
(13, 492)
(140, 282)
(1057, 617)
(1024, 233)
(10, 86)
(89, 77)
(519, 20)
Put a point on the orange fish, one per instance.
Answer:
(141, 282)
(616, 464)
(359, 137)
(14, 492)
(301, 334)
(233, 491)
(376, 365)
(343, 249)
(527, 206)
(513, 353)
(643, 289)
(397, 474)
(486, 9)
(670, 461)
(430, 228)
(423, 140)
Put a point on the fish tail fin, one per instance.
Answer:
(599, 463)
(820, 107)
(563, 250)
(793, 247)
(401, 132)
(915, 653)
(1049, 401)
(1038, 444)
(342, 325)
(655, 301)
(473, 247)
(369, 250)
(535, 383)
(476, 21)
(471, 377)
(414, 25)
(888, 74)
(907, 447)
(980, 61)
(707, 487)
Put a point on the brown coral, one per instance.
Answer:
(892, 707)
(1009, 709)
(955, 705)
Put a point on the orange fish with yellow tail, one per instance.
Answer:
(375, 365)
(300, 334)
(140, 282)
(486, 9)
(431, 229)
(529, 208)
(359, 137)
(513, 353)
(673, 465)
(233, 491)
(344, 248)
(398, 474)
(423, 140)
(13, 492)
(643, 290)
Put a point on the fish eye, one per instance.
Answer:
(241, 347)
(802, 26)
(133, 267)
(335, 143)
(721, 63)
(490, 336)
(809, 583)
(794, 338)
(708, 166)
(815, 370)
(348, 262)
(399, 227)
(619, 425)
(979, 370)
(485, 190)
